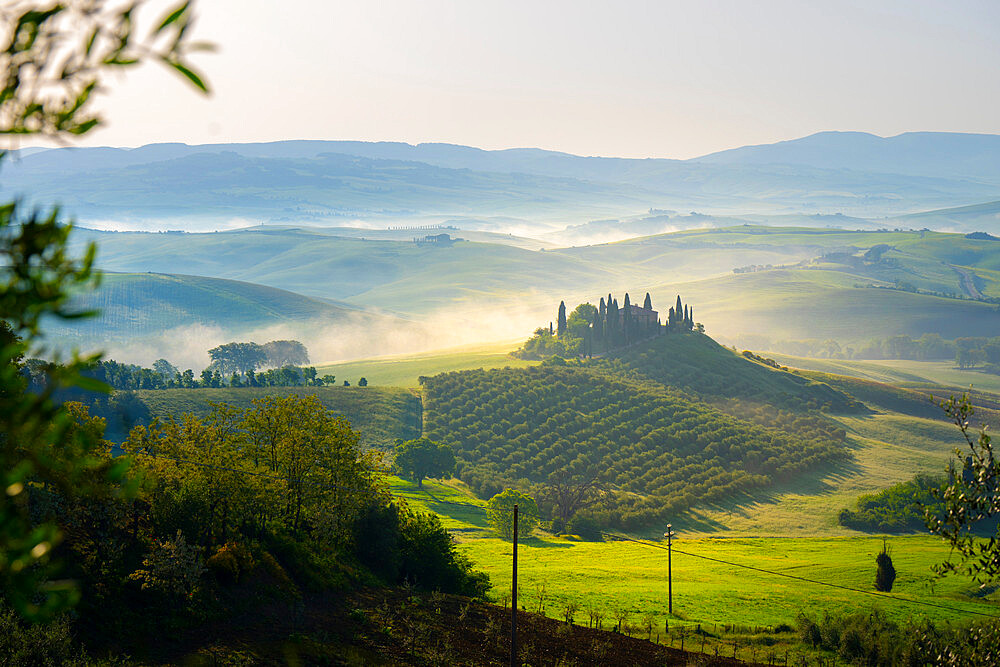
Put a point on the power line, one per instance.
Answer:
(805, 579)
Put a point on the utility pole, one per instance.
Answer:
(670, 575)
(513, 600)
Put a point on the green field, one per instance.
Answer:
(624, 575)
(403, 370)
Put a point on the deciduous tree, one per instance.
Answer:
(500, 513)
(421, 458)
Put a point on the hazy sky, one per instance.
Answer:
(628, 78)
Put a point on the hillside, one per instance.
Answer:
(379, 414)
(663, 450)
(699, 366)
(139, 304)
(791, 284)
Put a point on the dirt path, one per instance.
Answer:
(968, 282)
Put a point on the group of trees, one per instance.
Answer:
(590, 330)
(896, 509)
(241, 358)
(164, 375)
(659, 451)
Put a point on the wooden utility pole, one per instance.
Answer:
(513, 600)
(670, 575)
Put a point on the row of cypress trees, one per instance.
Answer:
(612, 326)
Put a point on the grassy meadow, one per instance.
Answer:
(620, 575)
(404, 370)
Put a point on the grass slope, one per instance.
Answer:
(405, 370)
(822, 304)
(133, 305)
(698, 365)
(380, 414)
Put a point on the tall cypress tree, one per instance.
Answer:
(678, 309)
(626, 321)
(691, 317)
(648, 303)
(596, 329)
(561, 321)
(602, 308)
(612, 321)
(671, 318)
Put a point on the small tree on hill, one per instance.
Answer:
(500, 513)
(885, 574)
(420, 458)
(561, 319)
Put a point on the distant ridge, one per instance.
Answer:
(975, 156)
(311, 181)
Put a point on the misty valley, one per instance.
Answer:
(345, 402)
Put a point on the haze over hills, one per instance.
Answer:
(212, 186)
(768, 283)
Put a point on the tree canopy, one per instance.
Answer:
(500, 513)
(421, 458)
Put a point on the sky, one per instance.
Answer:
(624, 78)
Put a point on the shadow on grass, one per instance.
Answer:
(539, 543)
(815, 483)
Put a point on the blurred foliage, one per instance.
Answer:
(53, 58)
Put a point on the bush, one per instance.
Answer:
(24, 643)
(400, 545)
(231, 562)
(586, 527)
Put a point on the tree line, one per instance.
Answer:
(596, 330)
(967, 352)
(224, 371)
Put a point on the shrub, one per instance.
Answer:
(231, 562)
(586, 527)
(885, 573)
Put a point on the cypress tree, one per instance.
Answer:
(671, 318)
(602, 309)
(561, 321)
(597, 334)
(610, 331)
(685, 315)
(648, 303)
(677, 308)
(691, 317)
(885, 573)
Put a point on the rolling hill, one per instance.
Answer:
(135, 305)
(379, 414)
(792, 284)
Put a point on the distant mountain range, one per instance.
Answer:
(522, 190)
